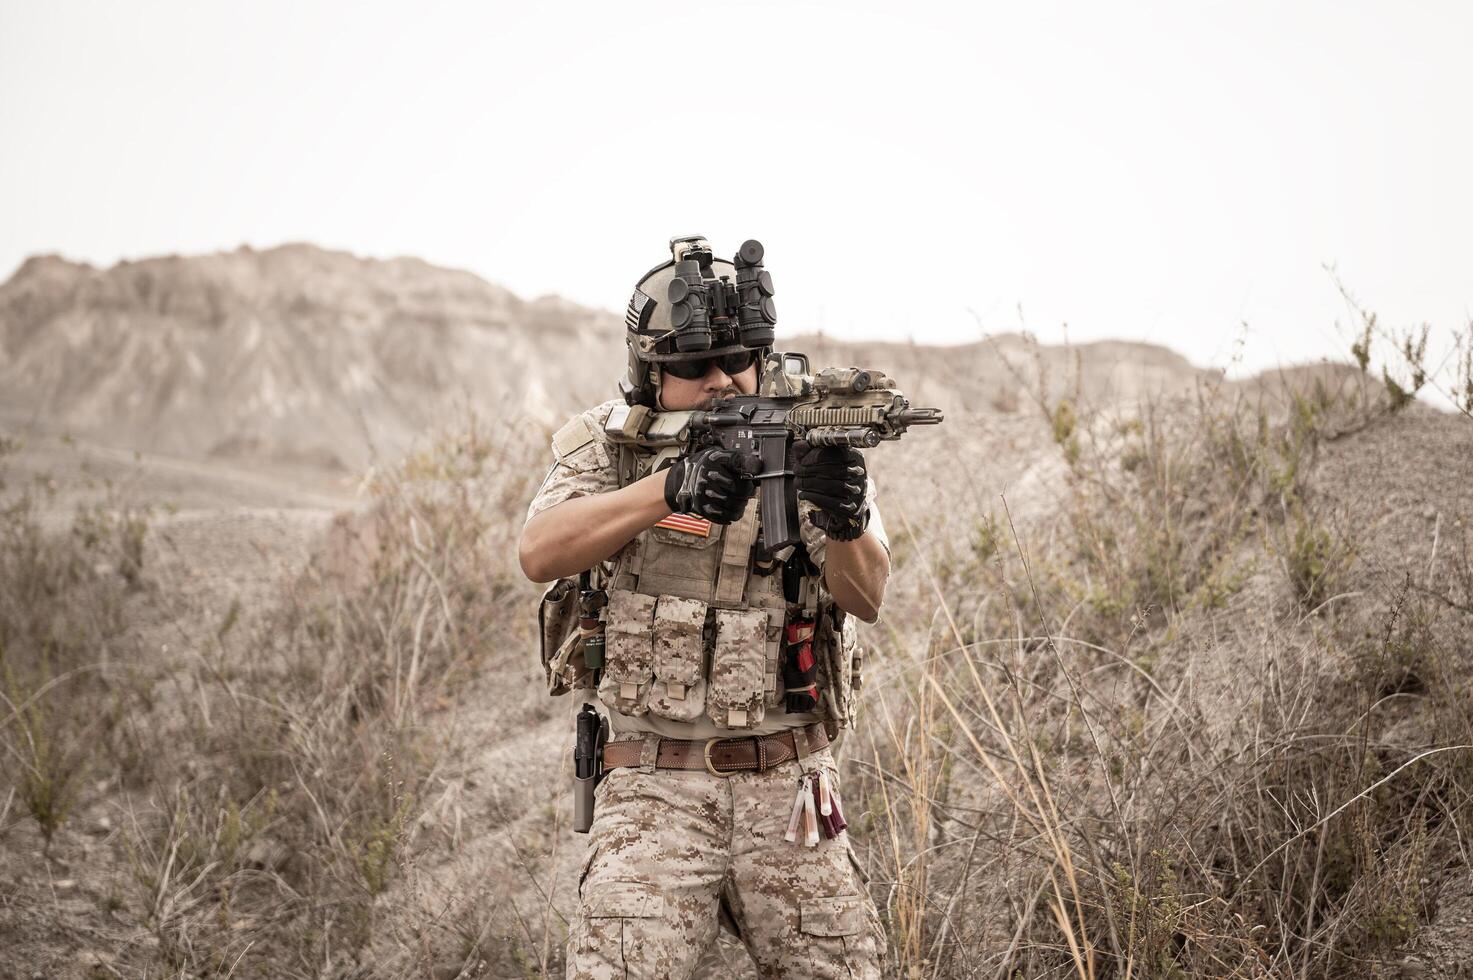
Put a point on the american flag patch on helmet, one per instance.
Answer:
(688, 523)
(638, 312)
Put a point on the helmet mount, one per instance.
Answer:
(695, 306)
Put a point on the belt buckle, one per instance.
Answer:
(756, 741)
(706, 755)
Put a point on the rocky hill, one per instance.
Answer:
(290, 354)
(271, 726)
(297, 354)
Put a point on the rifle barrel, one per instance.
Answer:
(920, 416)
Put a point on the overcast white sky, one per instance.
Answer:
(1162, 171)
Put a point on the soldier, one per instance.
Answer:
(727, 673)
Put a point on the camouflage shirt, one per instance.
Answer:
(590, 469)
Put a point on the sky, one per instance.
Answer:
(1192, 174)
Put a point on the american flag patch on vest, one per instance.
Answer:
(688, 523)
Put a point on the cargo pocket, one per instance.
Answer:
(840, 929)
(621, 927)
(679, 692)
(628, 653)
(735, 697)
(839, 916)
(585, 867)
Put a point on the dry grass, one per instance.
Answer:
(1169, 725)
(1152, 759)
(289, 750)
(61, 623)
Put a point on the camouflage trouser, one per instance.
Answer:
(669, 848)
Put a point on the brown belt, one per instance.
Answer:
(720, 756)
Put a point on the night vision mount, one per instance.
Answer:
(694, 306)
(706, 307)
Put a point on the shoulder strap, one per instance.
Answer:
(626, 463)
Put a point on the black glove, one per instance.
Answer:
(714, 483)
(833, 479)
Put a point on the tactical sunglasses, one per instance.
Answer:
(732, 364)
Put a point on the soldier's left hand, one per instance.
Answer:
(833, 479)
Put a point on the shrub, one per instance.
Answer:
(1155, 762)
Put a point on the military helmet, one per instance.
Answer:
(695, 306)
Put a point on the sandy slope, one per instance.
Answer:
(221, 536)
(234, 518)
(493, 844)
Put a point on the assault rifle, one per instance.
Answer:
(835, 407)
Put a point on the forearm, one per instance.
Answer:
(855, 573)
(579, 533)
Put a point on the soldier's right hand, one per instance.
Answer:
(714, 483)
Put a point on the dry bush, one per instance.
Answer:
(1157, 723)
(1163, 731)
(275, 769)
(1404, 365)
(272, 827)
(64, 688)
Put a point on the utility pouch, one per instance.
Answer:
(671, 537)
(679, 692)
(800, 667)
(735, 697)
(590, 623)
(834, 652)
(772, 676)
(849, 639)
(557, 619)
(679, 562)
(628, 652)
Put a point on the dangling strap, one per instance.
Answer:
(800, 748)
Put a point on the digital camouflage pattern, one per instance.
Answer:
(670, 852)
(586, 471)
(668, 849)
(626, 673)
(736, 698)
(586, 466)
(590, 470)
(679, 658)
